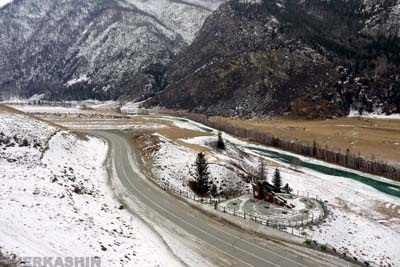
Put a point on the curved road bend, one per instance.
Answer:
(245, 249)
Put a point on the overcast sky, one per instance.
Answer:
(3, 2)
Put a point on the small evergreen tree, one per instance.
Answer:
(220, 142)
(25, 143)
(287, 189)
(202, 174)
(277, 181)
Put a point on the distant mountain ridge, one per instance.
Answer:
(311, 58)
(76, 49)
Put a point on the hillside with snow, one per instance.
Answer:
(86, 48)
(55, 199)
(4, 2)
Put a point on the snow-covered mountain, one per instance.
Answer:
(93, 48)
(313, 58)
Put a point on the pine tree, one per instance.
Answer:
(202, 174)
(277, 181)
(220, 143)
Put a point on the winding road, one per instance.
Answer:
(232, 244)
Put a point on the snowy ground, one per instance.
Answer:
(132, 108)
(55, 201)
(373, 115)
(363, 221)
(173, 163)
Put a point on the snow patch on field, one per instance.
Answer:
(55, 201)
(132, 107)
(374, 115)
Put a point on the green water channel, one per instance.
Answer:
(384, 187)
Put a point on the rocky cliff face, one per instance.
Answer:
(93, 48)
(312, 58)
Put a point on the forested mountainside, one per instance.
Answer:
(311, 58)
(105, 49)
